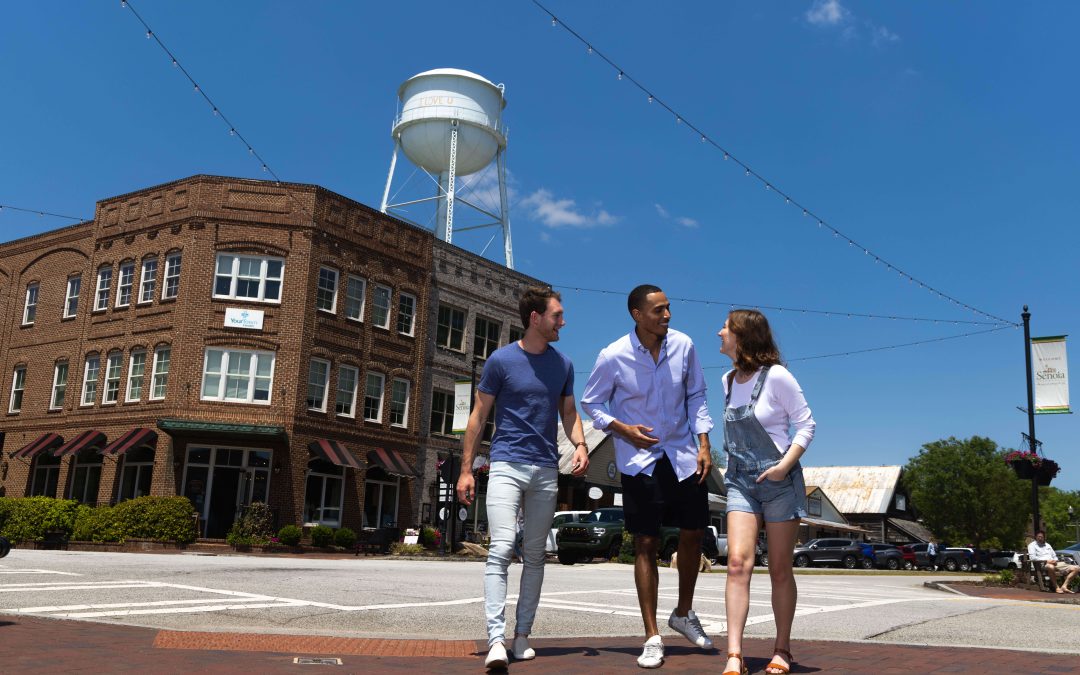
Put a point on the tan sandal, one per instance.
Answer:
(775, 668)
(743, 670)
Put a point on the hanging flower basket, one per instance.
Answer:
(1028, 465)
(1024, 470)
(1046, 471)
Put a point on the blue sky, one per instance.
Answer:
(942, 136)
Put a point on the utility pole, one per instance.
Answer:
(1026, 315)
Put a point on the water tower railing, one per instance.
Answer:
(448, 112)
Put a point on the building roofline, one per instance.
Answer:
(46, 233)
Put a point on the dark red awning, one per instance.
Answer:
(334, 452)
(136, 438)
(91, 438)
(391, 462)
(42, 443)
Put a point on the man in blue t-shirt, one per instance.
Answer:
(530, 384)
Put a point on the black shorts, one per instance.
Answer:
(662, 499)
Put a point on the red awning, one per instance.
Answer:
(333, 452)
(91, 438)
(136, 438)
(42, 443)
(391, 462)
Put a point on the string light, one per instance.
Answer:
(42, 214)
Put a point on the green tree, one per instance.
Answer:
(966, 494)
(1054, 512)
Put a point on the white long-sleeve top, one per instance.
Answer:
(781, 407)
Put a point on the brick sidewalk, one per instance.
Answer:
(39, 645)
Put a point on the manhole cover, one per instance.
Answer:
(316, 661)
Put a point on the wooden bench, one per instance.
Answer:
(376, 542)
(1033, 575)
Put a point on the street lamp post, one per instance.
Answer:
(1075, 523)
(1026, 315)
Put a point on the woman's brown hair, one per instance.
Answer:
(754, 344)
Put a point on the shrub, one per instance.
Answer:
(321, 536)
(399, 548)
(1007, 577)
(429, 537)
(345, 538)
(97, 524)
(157, 519)
(626, 551)
(290, 535)
(253, 528)
(29, 518)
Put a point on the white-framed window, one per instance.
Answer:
(91, 373)
(159, 380)
(59, 388)
(406, 314)
(137, 473)
(238, 376)
(148, 280)
(442, 413)
(30, 306)
(373, 396)
(324, 493)
(71, 300)
(516, 334)
(450, 328)
(380, 499)
(124, 283)
(86, 477)
(326, 294)
(399, 403)
(486, 337)
(354, 298)
(113, 366)
(246, 277)
(18, 386)
(318, 381)
(345, 401)
(170, 288)
(380, 302)
(46, 475)
(136, 374)
(101, 295)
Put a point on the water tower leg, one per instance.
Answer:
(451, 174)
(390, 176)
(504, 209)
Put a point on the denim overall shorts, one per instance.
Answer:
(750, 452)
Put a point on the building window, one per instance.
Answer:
(124, 284)
(406, 314)
(380, 499)
(112, 378)
(30, 306)
(450, 328)
(354, 298)
(136, 372)
(813, 506)
(138, 470)
(71, 302)
(442, 413)
(318, 380)
(171, 287)
(86, 477)
(46, 475)
(486, 337)
(238, 376)
(326, 295)
(60, 373)
(380, 314)
(901, 502)
(18, 385)
(516, 334)
(242, 277)
(373, 395)
(323, 494)
(399, 403)
(148, 282)
(345, 401)
(160, 378)
(101, 296)
(91, 372)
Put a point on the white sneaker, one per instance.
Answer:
(521, 649)
(653, 654)
(690, 628)
(496, 656)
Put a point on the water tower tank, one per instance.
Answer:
(434, 99)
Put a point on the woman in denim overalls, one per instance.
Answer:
(764, 482)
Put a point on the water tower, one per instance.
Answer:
(450, 126)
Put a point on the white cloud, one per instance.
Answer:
(662, 211)
(687, 222)
(880, 35)
(827, 13)
(831, 14)
(545, 236)
(542, 205)
(681, 220)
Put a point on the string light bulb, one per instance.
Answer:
(554, 22)
(619, 76)
(650, 98)
(589, 50)
(149, 34)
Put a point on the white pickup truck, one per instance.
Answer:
(760, 555)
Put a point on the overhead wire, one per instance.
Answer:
(41, 213)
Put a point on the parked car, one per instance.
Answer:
(599, 535)
(1070, 554)
(844, 552)
(761, 555)
(560, 518)
(983, 559)
(955, 559)
(910, 559)
(710, 544)
(879, 554)
(1005, 560)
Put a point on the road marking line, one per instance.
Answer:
(721, 627)
(75, 588)
(118, 605)
(177, 610)
(27, 571)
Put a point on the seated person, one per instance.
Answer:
(1040, 550)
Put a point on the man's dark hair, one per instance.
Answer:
(1038, 532)
(535, 299)
(637, 296)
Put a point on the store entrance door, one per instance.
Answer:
(223, 501)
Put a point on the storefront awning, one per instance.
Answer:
(42, 443)
(91, 438)
(333, 452)
(136, 438)
(391, 462)
(833, 524)
(177, 427)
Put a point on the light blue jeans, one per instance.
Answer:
(510, 486)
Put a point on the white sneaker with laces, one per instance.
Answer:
(496, 656)
(652, 656)
(521, 649)
(690, 628)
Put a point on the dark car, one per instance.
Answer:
(955, 558)
(599, 535)
(830, 552)
(885, 556)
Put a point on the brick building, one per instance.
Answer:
(224, 339)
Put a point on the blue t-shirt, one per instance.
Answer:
(527, 388)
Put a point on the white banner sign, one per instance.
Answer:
(1051, 375)
(243, 318)
(462, 407)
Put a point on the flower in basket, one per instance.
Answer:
(1026, 456)
(1049, 468)
(484, 470)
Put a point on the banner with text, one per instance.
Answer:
(462, 405)
(1051, 375)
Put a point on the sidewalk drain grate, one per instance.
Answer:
(316, 661)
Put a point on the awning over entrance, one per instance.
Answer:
(333, 452)
(42, 443)
(136, 438)
(183, 427)
(832, 524)
(391, 462)
(91, 438)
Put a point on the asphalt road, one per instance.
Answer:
(444, 600)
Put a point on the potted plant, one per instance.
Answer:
(1047, 471)
(1028, 465)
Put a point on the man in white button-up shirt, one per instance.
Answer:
(1040, 550)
